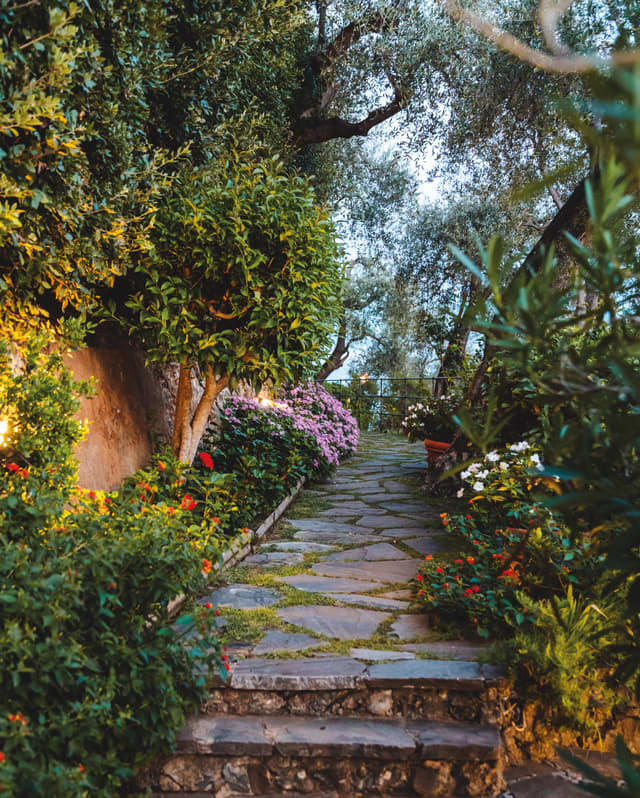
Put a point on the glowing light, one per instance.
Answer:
(4, 428)
(364, 377)
(270, 403)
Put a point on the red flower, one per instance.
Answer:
(439, 570)
(468, 592)
(470, 560)
(23, 472)
(475, 542)
(81, 768)
(208, 605)
(188, 502)
(206, 460)
(206, 566)
(161, 466)
(217, 612)
(1, 757)
(498, 556)
(13, 467)
(468, 516)
(226, 665)
(507, 573)
(457, 562)
(476, 589)
(446, 585)
(171, 510)
(420, 578)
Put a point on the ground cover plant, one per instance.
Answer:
(96, 677)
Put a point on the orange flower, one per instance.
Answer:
(429, 557)
(206, 566)
(188, 503)
(215, 520)
(161, 466)
(471, 560)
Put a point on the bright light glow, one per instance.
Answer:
(4, 428)
(364, 377)
(270, 403)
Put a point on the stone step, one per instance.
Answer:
(349, 756)
(323, 686)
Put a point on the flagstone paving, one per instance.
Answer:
(338, 569)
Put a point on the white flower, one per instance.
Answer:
(535, 459)
(493, 457)
(504, 466)
(478, 486)
(465, 474)
(460, 493)
(483, 474)
(474, 467)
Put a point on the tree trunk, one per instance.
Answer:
(188, 428)
(339, 354)
(458, 343)
(573, 218)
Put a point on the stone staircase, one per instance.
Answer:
(334, 726)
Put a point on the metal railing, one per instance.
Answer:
(380, 403)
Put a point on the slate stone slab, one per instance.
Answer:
(384, 571)
(324, 525)
(302, 546)
(222, 735)
(376, 551)
(448, 649)
(408, 626)
(400, 533)
(336, 537)
(341, 623)
(324, 584)
(379, 498)
(375, 602)
(340, 737)
(375, 655)
(445, 673)
(389, 522)
(275, 640)
(273, 558)
(397, 594)
(308, 673)
(426, 544)
(411, 507)
(242, 597)
(456, 741)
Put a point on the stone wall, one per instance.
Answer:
(132, 404)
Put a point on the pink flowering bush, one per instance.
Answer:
(268, 445)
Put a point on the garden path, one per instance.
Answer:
(315, 702)
(336, 574)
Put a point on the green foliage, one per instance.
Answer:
(102, 104)
(95, 678)
(243, 276)
(558, 658)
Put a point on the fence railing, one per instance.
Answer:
(380, 403)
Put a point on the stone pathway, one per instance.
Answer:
(337, 686)
(346, 551)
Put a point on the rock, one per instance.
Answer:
(242, 597)
(389, 521)
(455, 741)
(276, 640)
(354, 539)
(448, 649)
(341, 623)
(380, 702)
(204, 734)
(384, 571)
(302, 546)
(453, 673)
(273, 558)
(376, 602)
(376, 655)
(375, 551)
(426, 544)
(326, 673)
(408, 626)
(324, 584)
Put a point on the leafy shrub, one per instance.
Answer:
(516, 545)
(432, 418)
(95, 677)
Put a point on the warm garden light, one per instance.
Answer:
(364, 378)
(4, 429)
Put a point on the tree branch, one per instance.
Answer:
(562, 62)
(346, 38)
(315, 131)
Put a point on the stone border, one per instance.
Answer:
(242, 544)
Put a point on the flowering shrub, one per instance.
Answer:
(95, 678)
(515, 546)
(269, 445)
(432, 418)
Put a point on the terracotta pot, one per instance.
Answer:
(435, 450)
